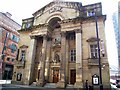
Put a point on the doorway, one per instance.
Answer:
(72, 76)
(55, 75)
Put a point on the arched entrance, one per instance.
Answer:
(55, 29)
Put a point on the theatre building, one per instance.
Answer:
(59, 45)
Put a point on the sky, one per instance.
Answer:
(21, 9)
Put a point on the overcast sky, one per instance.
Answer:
(21, 9)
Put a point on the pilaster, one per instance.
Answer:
(67, 60)
(31, 57)
(78, 83)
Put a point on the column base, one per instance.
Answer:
(78, 85)
(61, 84)
(26, 82)
(40, 83)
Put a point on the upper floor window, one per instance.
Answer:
(23, 54)
(8, 59)
(90, 13)
(93, 51)
(73, 55)
(13, 47)
(72, 37)
(26, 25)
(14, 38)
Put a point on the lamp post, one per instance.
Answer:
(99, 59)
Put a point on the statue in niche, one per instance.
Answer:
(57, 40)
(56, 58)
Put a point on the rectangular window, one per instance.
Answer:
(72, 37)
(90, 13)
(12, 50)
(94, 51)
(73, 55)
(8, 59)
(23, 54)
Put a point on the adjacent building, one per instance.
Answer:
(119, 35)
(9, 38)
(59, 45)
(115, 26)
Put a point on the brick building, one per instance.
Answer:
(9, 38)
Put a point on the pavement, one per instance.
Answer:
(27, 87)
(48, 86)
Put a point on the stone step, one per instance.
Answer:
(34, 84)
(70, 86)
(50, 85)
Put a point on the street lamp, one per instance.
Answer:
(99, 59)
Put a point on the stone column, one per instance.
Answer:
(67, 60)
(78, 59)
(42, 67)
(31, 57)
(47, 63)
(62, 81)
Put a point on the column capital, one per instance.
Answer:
(78, 30)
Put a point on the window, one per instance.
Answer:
(23, 54)
(13, 59)
(13, 47)
(12, 51)
(23, 26)
(73, 55)
(14, 38)
(8, 59)
(72, 37)
(94, 51)
(90, 13)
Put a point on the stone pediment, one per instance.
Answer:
(57, 6)
(60, 9)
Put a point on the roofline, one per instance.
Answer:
(10, 18)
(49, 4)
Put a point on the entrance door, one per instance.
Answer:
(72, 76)
(55, 75)
(8, 72)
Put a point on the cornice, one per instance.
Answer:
(81, 19)
(34, 27)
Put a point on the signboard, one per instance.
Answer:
(95, 79)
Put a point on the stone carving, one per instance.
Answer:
(56, 58)
(57, 40)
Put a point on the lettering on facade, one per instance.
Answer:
(55, 9)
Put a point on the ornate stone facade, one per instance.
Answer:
(60, 45)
